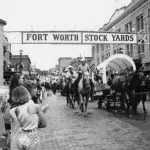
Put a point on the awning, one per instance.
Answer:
(116, 62)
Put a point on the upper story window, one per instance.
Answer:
(103, 58)
(128, 27)
(102, 47)
(148, 12)
(139, 23)
(107, 46)
(98, 61)
(93, 51)
(4, 50)
(97, 48)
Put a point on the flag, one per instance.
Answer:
(92, 65)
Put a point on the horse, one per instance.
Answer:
(140, 85)
(70, 92)
(84, 89)
(120, 85)
(131, 86)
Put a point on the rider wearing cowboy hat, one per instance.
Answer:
(83, 68)
(71, 73)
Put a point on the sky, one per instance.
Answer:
(54, 15)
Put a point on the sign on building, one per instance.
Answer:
(80, 37)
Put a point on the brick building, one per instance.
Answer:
(15, 61)
(6, 53)
(135, 18)
(63, 62)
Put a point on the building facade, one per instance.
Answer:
(2, 24)
(64, 62)
(135, 18)
(15, 62)
(6, 55)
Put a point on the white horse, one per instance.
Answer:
(84, 89)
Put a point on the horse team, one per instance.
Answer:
(132, 88)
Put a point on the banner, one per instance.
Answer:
(79, 37)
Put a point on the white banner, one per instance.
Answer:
(71, 37)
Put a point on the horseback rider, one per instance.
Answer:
(83, 68)
(71, 74)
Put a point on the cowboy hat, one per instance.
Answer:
(70, 67)
(66, 70)
(83, 59)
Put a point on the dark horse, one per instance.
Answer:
(139, 86)
(131, 86)
(120, 85)
(70, 92)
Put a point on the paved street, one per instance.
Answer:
(101, 130)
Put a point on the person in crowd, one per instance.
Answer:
(71, 73)
(2, 110)
(32, 89)
(39, 89)
(26, 119)
(16, 80)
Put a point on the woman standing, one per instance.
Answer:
(27, 117)
(16, 80)
(31, 86)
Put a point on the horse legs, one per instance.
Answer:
(122, 101)
(143, 102)
(67, 98)
(86, 103)
(80, 104)
(72, 100)
(128, 103)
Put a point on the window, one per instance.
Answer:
(131, 50)
(141, 47)
(149, 12)
(102, 47)
(107, 46)
(128, 27)
(139, 23)
(97, 48)
(130, 24)
(98, 61)
(4, 50)
(93, 51)
(103, 58)
(107, 55)
(128, 51)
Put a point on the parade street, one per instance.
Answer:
(101, 130)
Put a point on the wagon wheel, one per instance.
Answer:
(106, 103)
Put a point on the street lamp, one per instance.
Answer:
(21, 51)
